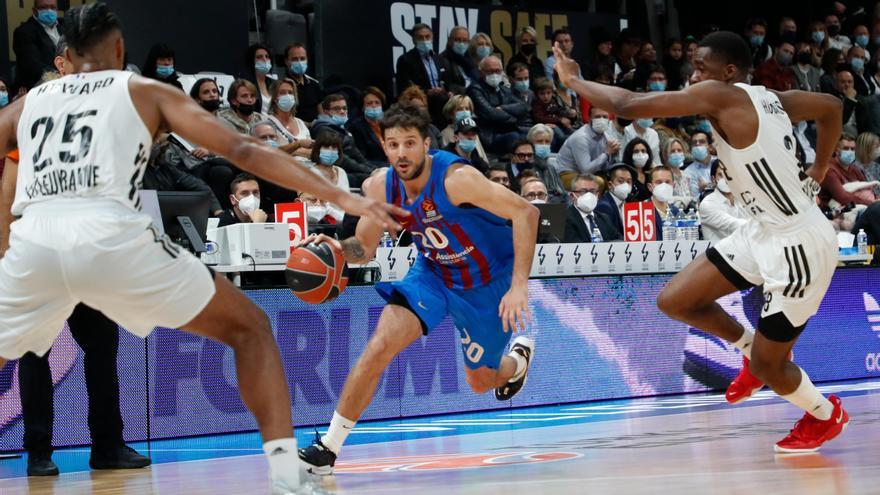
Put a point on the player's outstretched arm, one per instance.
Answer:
(179, 113)
(706, 98)
(9, 116)
(827, 111)
(464, 184)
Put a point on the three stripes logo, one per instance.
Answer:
(872, 310)
(798, 271)
(767, 181)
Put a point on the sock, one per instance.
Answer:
(808, 398)
(337, 433)
(283, 461)
(744, 344)
(520, 366)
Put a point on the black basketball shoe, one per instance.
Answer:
(318, 458)
(523, 346)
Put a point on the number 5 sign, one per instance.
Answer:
(294, 215)
(639, 223)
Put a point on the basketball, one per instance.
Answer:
(316, 273)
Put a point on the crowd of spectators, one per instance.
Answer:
(518, 124)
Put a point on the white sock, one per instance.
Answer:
(744, 344)
(808, 398)
(283, 461)
(520, 366)
(339, 429)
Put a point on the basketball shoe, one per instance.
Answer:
(810, 433)
(743, 385)
(318, 458)
(523, 347)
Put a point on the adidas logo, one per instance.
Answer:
(873, 312)
(278, 451)
(730, 256)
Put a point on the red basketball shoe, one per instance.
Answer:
(810, 433)
(743, 386)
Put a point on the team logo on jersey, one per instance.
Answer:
(430, 209)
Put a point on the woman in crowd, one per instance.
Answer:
(206, 92)
(867, 153)
(459, 107)
(258, 70)
(673, 63)
(638, 156)
(526, 52)
(481, 47)
(673, 155)
(541, 136)
(160, 65)
(242, 111)
(293, 134)
(365, 127)
(328, 157)
(456, 55)
(5, 97)
(818, 41)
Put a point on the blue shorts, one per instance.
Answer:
(474, 311)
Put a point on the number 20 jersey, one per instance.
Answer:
(80, 137)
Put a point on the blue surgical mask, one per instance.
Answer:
(263, 66)
(862, 40)
(645, 123)
(272, 143)
(857, 64)
(4, 99)
(339, 119)
(676, 159)
(164, 70)
(542, 151)
(704, 125)
(657, 86)
(757, 40)
(461, 115)
(818, 36)
(286, 102)
(299, 67)
(483, 51)
(328, 157)
(467, 145)
(459, 47)
(425, 47)
(700, 152)
(47, 17)
(521, 86)
(847, 157)
(374, 113)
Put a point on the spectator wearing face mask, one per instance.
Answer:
(242, 111)
(719, 213)
(805, 73)
(588, 150)
(34, 43)
(522, 159)
(619, 185)
(328, 151)
(541, 137)
(499, 112)
(458, 108)
(4, 93)
(698, 174)
(423, 67)
(207, 94)
(245, 198)
(365, 127)
(480, 47)
(293, 134)
(321, 218)
(842, 171)
(867, 154)
(534, 191)
(818, 41)
(308, 88)
(864, 83)
(518, 74)
(582, 218)
(640, 158)
(775, 73)
(160, 65)
(270, 194)
(258, 70)
(674, 153)
(497, 173)
(465, 144)
(527, 52)
(861, 37)
(755, 34)
(460, 65)
(835, 38)
(641, 128)
(333, 121)
(661, 187)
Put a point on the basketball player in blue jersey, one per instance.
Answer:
(471, 266)
(788, 246)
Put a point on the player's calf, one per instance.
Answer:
(481, 380)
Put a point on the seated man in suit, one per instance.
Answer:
(423, 67)
(619, 185)
(34, 43)
(582, 218)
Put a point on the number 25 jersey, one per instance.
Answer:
(80, 137)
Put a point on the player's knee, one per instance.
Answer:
(481, 381)
(670, 303)
(379, 350)
(253, 330)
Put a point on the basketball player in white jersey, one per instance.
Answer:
(788, 246)
(84, 140)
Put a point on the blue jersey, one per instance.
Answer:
(467, 246)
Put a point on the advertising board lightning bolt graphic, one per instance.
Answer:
(611, 254)
(677, 252)
(541, 256)
(410, 257)
(694, 250)
(559, 254)
(628, 253)
(577, 254)
(391, 259)
(594, 253)
(644, 253)
(661, 252)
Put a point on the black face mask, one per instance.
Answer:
(246, 109)
(524, 166)
(804, 58)
(211, 105)
(833, 30)
(528, 49)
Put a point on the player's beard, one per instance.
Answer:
(413, 171)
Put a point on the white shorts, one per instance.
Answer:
(135, 277)
(795, 264)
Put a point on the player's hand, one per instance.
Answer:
(514, 309)
(565, 67)
(200, 153)
(320, 239)
(377, 211)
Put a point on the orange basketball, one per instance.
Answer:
(316, 273)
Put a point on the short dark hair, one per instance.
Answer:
(630, 149)
(713, 168)
(514, 67)
(419, 27)
(730, 49)
(521, 142)
(197, 87)
(292, 46)
(661, 168)
(406, 117)
(756, 21)
(328, 140)
(243, 177)
(709, 138)
(373, 90)
(559, 32)
(495, 167)
(87, 25)
(329, 99)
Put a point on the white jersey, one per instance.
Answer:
(765, 177)
(80, 137)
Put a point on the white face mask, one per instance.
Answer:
(494, 80)
(723, 186)
(663, 192)
(587, 202)
(316, 213)
(621, 191)
(640, 159)
(249, 204)
(538, 202)
(599, 125)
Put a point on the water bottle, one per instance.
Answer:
(697, 226)
(386, 241)
(680, 227)
(596, 236)
(691, 223)
(669, 228)
(862, 241)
